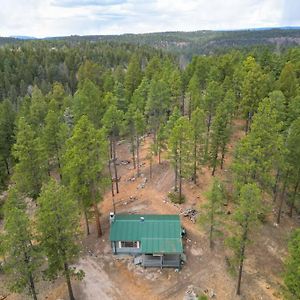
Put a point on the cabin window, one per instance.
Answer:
(128, 244)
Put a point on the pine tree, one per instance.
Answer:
(160, 144)
(91, 71)
(180, 148)
(292, 266)
(153, 68)
(54, 137)
(112, 122)
(120, 95)
(129, 128)
(58, 228)
(139, 125)
(22, 256)
(194, 95)
(211, 100)
(288, 81)
(37, 111)
(88, 101)
(255, 87)
(220, 135)
(157, 106)
(257, 152)
(292, 159)
(108, 82)
(140, 95)
(293, 110)
(83, 167)
(7, 126)
(175, 83)
(198, 125)
(213, 210)
(133, 76)
(30, 170)
(246, 217)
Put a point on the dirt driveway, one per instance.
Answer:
(96, 283)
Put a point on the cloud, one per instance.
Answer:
(64, 17)
(76, 3)
(291, 12)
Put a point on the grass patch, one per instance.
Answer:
(174, 197)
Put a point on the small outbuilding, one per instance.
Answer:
(154, 240)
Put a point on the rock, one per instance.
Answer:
(212, 294)
(190, 293)
(141, 186)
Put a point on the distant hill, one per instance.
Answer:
(8, 40)
(205, 41)
(199, 42)
(23, 37)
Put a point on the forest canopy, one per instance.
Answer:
(65, 105)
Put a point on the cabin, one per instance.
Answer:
(154, 240)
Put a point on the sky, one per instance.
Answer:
(44, 18)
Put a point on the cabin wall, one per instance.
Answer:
(124, 250)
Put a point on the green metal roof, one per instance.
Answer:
(157, 233)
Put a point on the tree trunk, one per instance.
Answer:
(97, 217)
(159, 160)
(248, 122)
(111, 179)
(215, 158)
(281, 199)
(138, 155)
(133, 152)
(292, 204)
(182, 106)
(223, 157)
(195, 162)
(207, 135)
(275, 187)
(115, 165)
(176, 174)
(86, 221)
(48, 169)
(180, 175)
(67, 274)
(27, 259)
(211, 228)
(32, 287)
(247, 125)
(111, 148)
(59, 168)
(242, 256)
(7, 166)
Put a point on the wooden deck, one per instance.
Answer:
(164, 261)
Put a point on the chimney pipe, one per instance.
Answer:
(111, 217)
